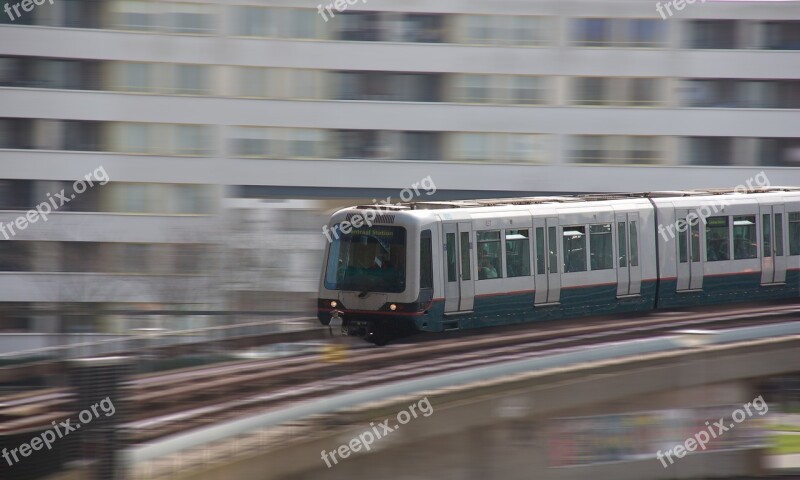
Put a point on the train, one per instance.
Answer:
(436, 266)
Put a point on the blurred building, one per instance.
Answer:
(195, 107)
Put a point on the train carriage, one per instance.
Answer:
(439, 266)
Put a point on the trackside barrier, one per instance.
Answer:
(215, 433)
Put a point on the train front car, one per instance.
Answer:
(370, 283)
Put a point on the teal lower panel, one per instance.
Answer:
(729, 288)
(495, 310)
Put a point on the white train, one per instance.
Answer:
(438, 266)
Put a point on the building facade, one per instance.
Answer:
(192, 106)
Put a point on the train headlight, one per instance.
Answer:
(333, 304)
(393, 307)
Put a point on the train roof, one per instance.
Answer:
(572, 199)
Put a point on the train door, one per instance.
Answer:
(629, 270)
(689, 256)
(547, 279)
(459, 285)
(773, 251)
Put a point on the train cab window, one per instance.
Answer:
(778, 234)
(634, 239)
(368, 259)
(601, 251)
(425, 260)
(518, 253)
(717, 239)
(540, 250)
(794, 233)
(450, 246)
(622, 245)
(574, 240)
(744, 237)
(489, 255)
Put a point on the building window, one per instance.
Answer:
(590, 91)
(136, 77)
(252, 22)
(589, 149)
(478, 29)
(645, 32)
(192, 140)
(135, 138)
(712, 34)
(528, 90)
(191, 18)
(190, 79)
(782, 35)
(134, 15)
(592, 32)
(642, 91)
(709, 150)
(473, 88)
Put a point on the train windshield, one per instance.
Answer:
(368, 259)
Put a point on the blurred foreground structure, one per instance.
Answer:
(210, 116)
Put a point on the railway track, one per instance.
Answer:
(181, 400)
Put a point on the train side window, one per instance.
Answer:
(601, 250)
(425, 260)
(622, 245)
(767, 230)
(574, 238)
(489, 255)
(717, 239)
(553, 254)
(778, 234)
(450, 242)
(695, 237)
(465, 267)
(634, 245)
(540, 250)
(683, 247)
(518, 253)
(794, 233)
(744, 237)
